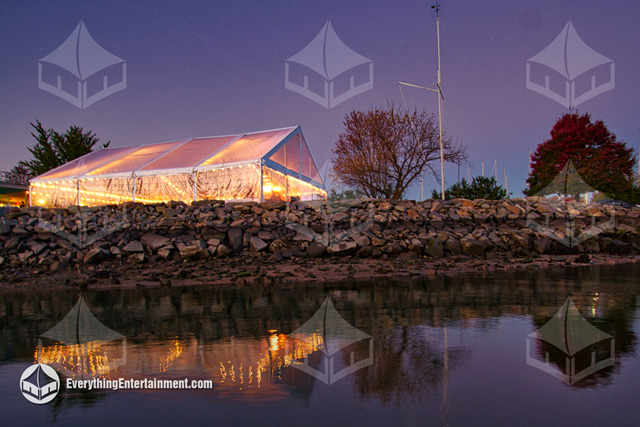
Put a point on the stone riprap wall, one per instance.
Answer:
(53, 240)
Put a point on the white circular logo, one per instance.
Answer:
(39, 384)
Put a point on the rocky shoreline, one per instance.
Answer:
(249, 244)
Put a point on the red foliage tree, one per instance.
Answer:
(602, 161)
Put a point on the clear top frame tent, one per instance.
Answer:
(259, 166)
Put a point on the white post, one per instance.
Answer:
(261, 183)
(194, 176)
(440, 108)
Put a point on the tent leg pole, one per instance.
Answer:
(261, 183)
(78, 192)
(194, 176)
(133, 192)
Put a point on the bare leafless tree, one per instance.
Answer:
(382, 151)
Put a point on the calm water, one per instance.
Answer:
(446, 352)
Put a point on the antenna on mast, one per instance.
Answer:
(437, 7)
(438, 91)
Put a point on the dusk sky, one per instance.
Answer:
(203, 68)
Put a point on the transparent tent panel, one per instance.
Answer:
(105, 191)
(277, 186)
(136, 159)
(157, 188)
(295, 156)
(252, 146)
(58, 195)
(308, 167)
(85, 164)
(292, 154)
(190, 153)
(236, 183)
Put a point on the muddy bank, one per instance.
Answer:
(259, 244)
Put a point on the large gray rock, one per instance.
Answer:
(235, 238)
(343, 248)
(154, 241)
(472, 246)
(434, 248)
(96, 256)
(223, 251)
(316, 250)
(256, 244)
(36, 247)
(133, 247)
(212, 233)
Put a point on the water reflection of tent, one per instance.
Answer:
(569, 56)
(329, 57)
(82, 57)
(80, 327)
(39, 384)
(336, 334)
(571, 333)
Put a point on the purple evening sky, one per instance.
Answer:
(202, 68)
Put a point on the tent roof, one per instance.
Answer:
(569, 55)
(81, 55)
(195, 154)
(327, 55)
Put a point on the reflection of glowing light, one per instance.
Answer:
(594, 306)
(174, 352)
(273, 343)
(272, 361)
(79, 358)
